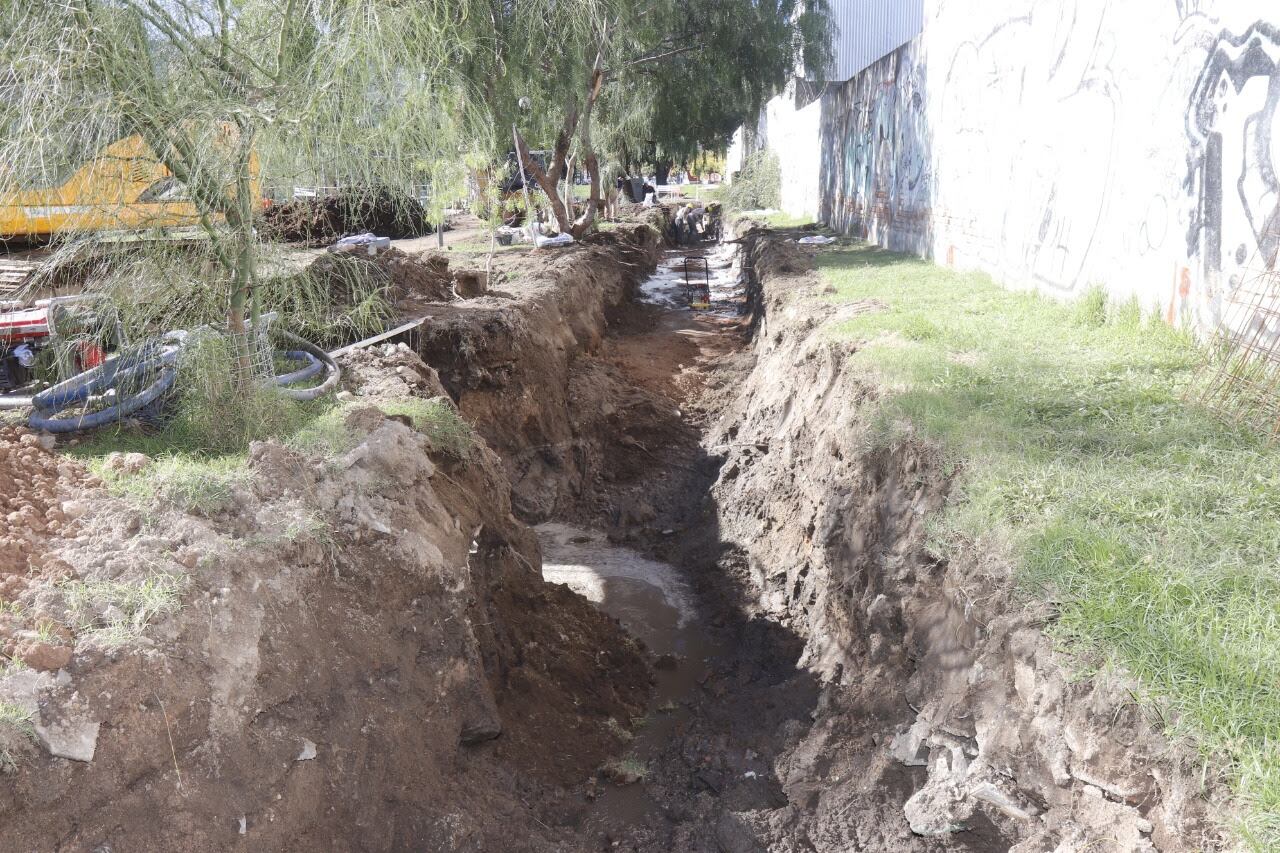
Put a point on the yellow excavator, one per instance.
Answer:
(124, 191)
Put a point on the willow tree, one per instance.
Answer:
(697, 71)
(666, 77)
(227, 94)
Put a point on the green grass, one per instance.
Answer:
(1150, 526)
(786, 220)
(16, 724)
(133, 606)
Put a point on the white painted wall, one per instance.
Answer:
(1058, 144)
(795, 136)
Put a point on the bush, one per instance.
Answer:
(758, 186)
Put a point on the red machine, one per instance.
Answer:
(47, 340)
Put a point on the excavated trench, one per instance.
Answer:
(367, 656)
(822, 682)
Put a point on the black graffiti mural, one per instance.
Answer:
(1235, 153)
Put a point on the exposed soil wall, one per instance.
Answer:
(940, 691)
(355, 634)
(511, 360)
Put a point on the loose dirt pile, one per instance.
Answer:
(347, 278)
(321, 221)
(35, 487)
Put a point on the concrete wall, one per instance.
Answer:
(796, 136)
(1059, 144)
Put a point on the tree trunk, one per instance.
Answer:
(548, 183)
(662, 171)
(592, 163)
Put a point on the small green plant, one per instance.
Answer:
(626, 770)
(1091, 308)
(438, 420)
(218, 411)
(11, 666)
(619, 731)
(15, 727)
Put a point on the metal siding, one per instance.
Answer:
(868, 30)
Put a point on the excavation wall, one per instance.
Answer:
(941, 690)
(511, 361)
(1059, 145)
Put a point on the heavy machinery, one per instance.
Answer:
(51, 340)
(66, 358)
(53, 362)
(122, 195)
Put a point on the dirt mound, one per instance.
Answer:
(425, 276)
(34, 483)
(321, 221)
(390, 371)
(368, 617)
(347, 276)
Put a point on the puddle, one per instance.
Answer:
(666, 287)
(655, 605)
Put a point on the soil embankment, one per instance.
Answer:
(852, 691)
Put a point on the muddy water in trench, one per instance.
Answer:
(652, 599)
(653, 603)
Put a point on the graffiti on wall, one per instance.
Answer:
(1059, 144)
(876, 173)
(1234, 158)
(1034, 205)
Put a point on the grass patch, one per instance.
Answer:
(782, 220)
(626, 771)
(327, 434)
(195, 483)
(15, 727)
(481, 247)
(1148, 524)
(117, 612)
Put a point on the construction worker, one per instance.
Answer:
(682, 225)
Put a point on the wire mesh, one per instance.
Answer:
(252, 357)
(1240, 380)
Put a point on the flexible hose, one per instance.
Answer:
(49, 422)
(313, 369)
(326, 362)
(15, 401)
(49, 404)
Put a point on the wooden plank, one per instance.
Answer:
(378, 339)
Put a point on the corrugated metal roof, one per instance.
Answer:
(868, 30)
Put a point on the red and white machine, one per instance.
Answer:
(47, 340)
